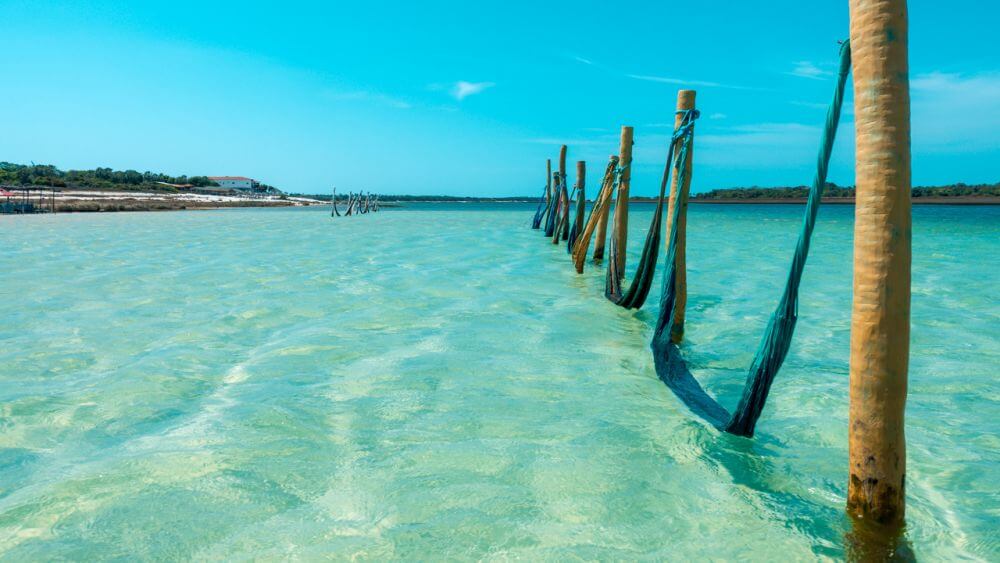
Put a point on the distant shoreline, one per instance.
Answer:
(956, 200)
(104, 201)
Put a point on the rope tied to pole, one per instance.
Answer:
(601, 204)
(642, 281)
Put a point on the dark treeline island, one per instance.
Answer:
(977, 193)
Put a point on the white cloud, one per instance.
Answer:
(463, 89)
(760, 145)
(371, 96)
(953, 112)
(813, 105)
(684, 82)
(567, 142)
(806, 69)
(717, 116)
(583, 60)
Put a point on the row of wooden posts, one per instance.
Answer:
(357, 204)
(880, 317)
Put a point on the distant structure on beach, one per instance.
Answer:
(235, 182)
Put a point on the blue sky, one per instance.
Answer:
(472, 97)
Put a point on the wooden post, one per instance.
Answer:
(561, 200)
(557, 206)
(548, 182)
(581, 196)
(602, 220)
(679, 196)
(880, 317)
(621, 207)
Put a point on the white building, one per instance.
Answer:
(234, 182)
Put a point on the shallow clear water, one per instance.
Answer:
(436, 382)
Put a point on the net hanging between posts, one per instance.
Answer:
(551, 222)
(581, 210)
(543, 207)
(635, 295)
(777, 337)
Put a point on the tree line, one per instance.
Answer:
(98, 178)
(834, 191)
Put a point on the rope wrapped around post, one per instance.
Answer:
(581, 205)
(600, 209)
(642, 281)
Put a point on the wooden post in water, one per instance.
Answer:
(548, 183)
(581, 196)
(561, 202)
(621, 207)
(679, 196)
(602, 220)
(880, 317)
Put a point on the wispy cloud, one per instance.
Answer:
(580, 59)
(813, 105)
(717, 116)
(463, 89)
(764, 145)
(807, 69)
(685, 82)
(370, 96)
(954, 112)
(560, 141)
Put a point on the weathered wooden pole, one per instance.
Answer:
(561, 202)
(602, 220)
(548, 183)
(880, 317)
(557, 207)
(679, 196)
(581, 198)
(621, 207)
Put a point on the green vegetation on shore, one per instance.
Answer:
(97, 179)
(835, 191)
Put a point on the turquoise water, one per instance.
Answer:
(436, 382)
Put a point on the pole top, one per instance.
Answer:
(685, 99)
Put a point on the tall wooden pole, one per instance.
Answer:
(679, 196)
(880, 317)
(602, 220)
(621, 207)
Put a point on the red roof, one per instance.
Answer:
(217, 178)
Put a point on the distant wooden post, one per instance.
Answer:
(562, 201)
(621, 207)
(880, 317)
(548, 183)
(581, 196)
(679, 196)
(602, 220)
